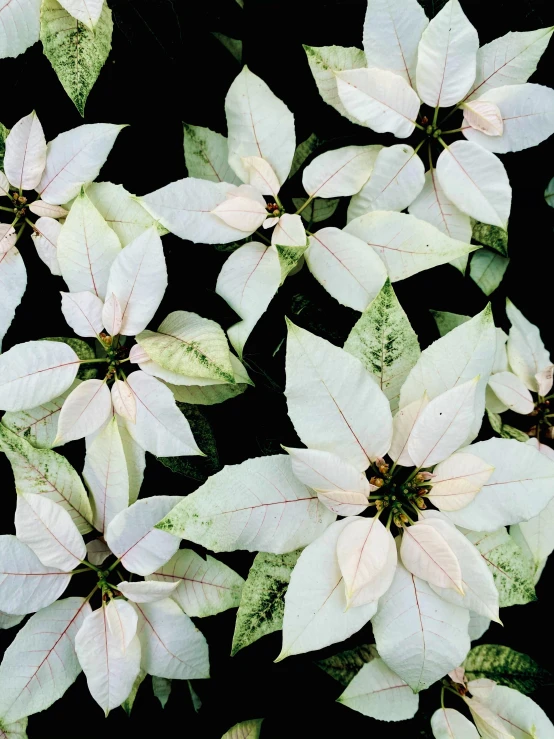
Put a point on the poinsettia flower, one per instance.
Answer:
(32, 164)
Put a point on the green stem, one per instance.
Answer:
(409, 519)
(418, 125)
(95, 360)
(435, 116)
(112, 567)
(442, 142)
(442, 698)
(8, 210)
(262, 237)
(83, 569)
(279, 203)
(21, 229)
(430, 155)
(416, 509)
(90, 566)
(453, 130)
(418, 147)
(92, 592)
(305, 205)
(414, 473)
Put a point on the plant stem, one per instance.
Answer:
(112, 567)
(96, 359)
(442, 698)
(91, 566)
(442, 142)
(21, 229)
(430, 154)
(308, 201)
(262, 237)
(452, 130)
(92, 592)
(8, 210)
(435, 116)
(418, 147)
(418, 125)
(83, 569)
(279, 203)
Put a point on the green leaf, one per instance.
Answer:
(447, 321)
(161, 687)
(345, 665)
(487, 269)
(263, 598)
(3, 136)
(505, 431)
(76, 53)
(233, 45)
(83, 351)
(197, 468)
(492, 236)
(506, 667)
(127, 704)
(206, 155)
(245, 730)
(511, 570)
(318, 210)
(385, 343)
(45, 472)
(548, 193)
(206, 394)
(303, 151)
(196, 702)
(289, 257)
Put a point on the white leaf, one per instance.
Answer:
(206, 155)
(248, 281)
(484, 116)
(85, 410)
(172, 646)
(527, 112)
(481, 688)
(457, 480)
(112, 314)
(41, 664)
(25, 155)
(86, 248)
(392, 31)
(86, 11)
(132, 537)
(545, 379)
(478, 625)
(5, 186)
(377, 692)
(350, 419)
(73, 158)
(480, 593)
(204, 586)
(26, 585)
(122, 622)
(240, 213)
(344, 503)
(97, 551)
(427, 554)
(466, 351)
(185, 208)
(160, 427)
(324, 61)
(35, 372)
(433, 206)
(45, 236)
(396, 181)
(48, 529)
(476, 182)
(340, 171)
(327, 472)
(289, 231)
(420, 636)
(367, 557)
(147, 591)
(443, 425)
(189, 345)
(526, 351)
(105, 473)
(346, 266)
(512, 392)
(487, 721)
(138, 278)
(487, 269)
(447, 57)
(48, 474)
(258, 505)
(83, 312)
(447, 723)
(20, 26)
(8, 622)
(136, 459)
(110, 673)
(402, 426)
(518, 489)
(316, 612)
(405, 244)
(258, 124)
(509, 60)
(260, 175)
(45, 210)
(13, 281)
(8, 237)
(519, 714)
(380, 100)
(123, 400)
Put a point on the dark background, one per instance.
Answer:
(165, 68)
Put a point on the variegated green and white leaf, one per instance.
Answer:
(324, 61)
(207, 154)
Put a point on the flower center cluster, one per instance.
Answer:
(116, 353)
(401, 498)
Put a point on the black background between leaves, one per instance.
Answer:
(165, 68)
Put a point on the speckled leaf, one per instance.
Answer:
(303, 151)
(318, 210)
(206, 154)
(127, 704)
(512, 571)
(487, 269)
(245, 730)
(345, 665)
(289, 257)
(83, 351)
(3, 136)
(262, 604)
(447, 321)
(47, 473)
(76, 53)
(206, 394)
(548, 193)
(385, 343)
(324, 61)
(197, 468)
(504, 430)
(161, 687)
(492, 236)
(506, 667)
